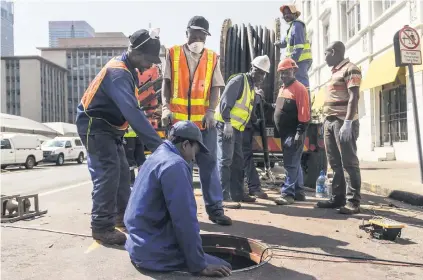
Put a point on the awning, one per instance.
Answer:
(319, 99)
(382, 70)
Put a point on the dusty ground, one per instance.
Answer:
(29, 254)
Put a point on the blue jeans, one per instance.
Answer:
(250, 171)
(231, 163)
(109, 171)
(294, 181)
(209, 174)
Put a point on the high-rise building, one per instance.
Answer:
(68, 29)
(34, 88)
(84, 58)
(7, 41)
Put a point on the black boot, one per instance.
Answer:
(220, 219)
(110, 237)
(331, 203)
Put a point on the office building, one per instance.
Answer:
(34, 88)
(68, 29)
(7, 20)
(367, 28)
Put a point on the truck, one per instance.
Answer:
(62, 149)
(19, 149)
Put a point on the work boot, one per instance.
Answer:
(220, 219)
(229, 204)
(110, 237)
(247, 198)
(284, 199)
(331, 203)
(300, 196)
(350, 208)
(260, 194)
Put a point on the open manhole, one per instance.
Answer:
(242, 253)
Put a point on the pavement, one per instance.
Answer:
(394, 179)
(59, 246)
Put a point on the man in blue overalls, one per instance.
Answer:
(107, 107)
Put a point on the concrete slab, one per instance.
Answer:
(394, 179)
(29, 254)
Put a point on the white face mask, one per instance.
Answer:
(196, 47)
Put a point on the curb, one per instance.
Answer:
(407, 197)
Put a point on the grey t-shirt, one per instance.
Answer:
(193, 59)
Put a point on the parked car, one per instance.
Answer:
(20, 149)
(61, 149)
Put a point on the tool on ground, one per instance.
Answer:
(383, 228)
(17, 207)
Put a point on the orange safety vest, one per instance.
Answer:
(190, 99)
(95, 84)
(149, 75)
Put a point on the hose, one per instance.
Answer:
(278, 248)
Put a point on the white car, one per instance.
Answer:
(61, 149)
(20, 149)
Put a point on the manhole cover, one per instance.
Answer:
(242, 253)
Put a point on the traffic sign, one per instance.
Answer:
(410, 48)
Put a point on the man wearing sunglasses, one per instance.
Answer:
(108, 106)
(191, 87)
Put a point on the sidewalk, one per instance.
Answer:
(394, 179)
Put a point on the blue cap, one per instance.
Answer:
(188, 130)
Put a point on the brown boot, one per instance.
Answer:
(110, 237)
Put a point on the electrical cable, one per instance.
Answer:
(277, 248)
(48, 230)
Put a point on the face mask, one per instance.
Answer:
(196, 47)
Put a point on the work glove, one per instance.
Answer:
(166, 117)
(298, 141)
(345, 133)
(208, 119)
(288, 141)
(228, 130)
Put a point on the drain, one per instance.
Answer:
(242, 253)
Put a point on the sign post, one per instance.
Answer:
(408, 53)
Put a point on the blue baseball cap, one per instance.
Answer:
(188, 130)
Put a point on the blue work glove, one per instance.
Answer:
(288, 141)
(298, 141)
(345, 133)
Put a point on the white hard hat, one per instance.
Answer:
(262, 62)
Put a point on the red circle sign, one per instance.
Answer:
(409, 38)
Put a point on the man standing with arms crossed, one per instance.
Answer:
(191, 86)
(108, 105)
(342, 129)
(296, 43)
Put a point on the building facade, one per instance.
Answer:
(84, 58)
(68, 29)
(367, 28)
(34, 88)
(7, 21)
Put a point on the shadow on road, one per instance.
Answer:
(268, 271)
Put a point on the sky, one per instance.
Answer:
(32, 17)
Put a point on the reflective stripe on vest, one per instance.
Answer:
(190, 99)
(306, 52)
(241, 112)
(92, 89)
(130, 133)
(148, 97)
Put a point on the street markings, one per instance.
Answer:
(66, 188)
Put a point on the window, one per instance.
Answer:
(386, 4)
(393, 116)
(308, 8)
(353, 17)
(68, 144)
(78, 142)
(5, 144)
(326, 35)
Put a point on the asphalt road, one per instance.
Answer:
(43, 178)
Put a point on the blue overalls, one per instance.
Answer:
(106, 108)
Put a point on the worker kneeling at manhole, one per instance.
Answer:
(161, 217)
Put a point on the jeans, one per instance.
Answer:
(294, 181)
(342, 157)
(209, 174)
(250, 170)
(109, 171)
(231, 163)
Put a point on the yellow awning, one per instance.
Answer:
(319, 99)
(382, 70)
